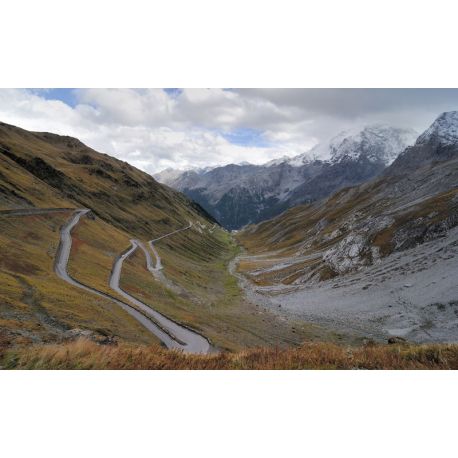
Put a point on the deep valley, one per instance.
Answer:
(351, 252)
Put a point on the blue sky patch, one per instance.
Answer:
(173, 91)
(246, 137)
(68, 95)
(65, 95)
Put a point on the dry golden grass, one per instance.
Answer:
(84, 354)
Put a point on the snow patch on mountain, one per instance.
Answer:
(377, 143)
(168, 175)
(278, 161)
(303, 159)
(444, 129)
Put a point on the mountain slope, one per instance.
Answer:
(359, 251)
(241, 194)
(42, 170)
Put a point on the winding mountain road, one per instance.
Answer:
(158, 267)
(60, 267)
(172, 334)
(34, 211)
(181, 337)
(157, 270)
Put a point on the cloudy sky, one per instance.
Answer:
(158, 128)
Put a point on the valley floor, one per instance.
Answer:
(412, 294)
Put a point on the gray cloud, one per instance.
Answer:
(353, 103)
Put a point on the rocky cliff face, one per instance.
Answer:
(438, 143)
(237, 195)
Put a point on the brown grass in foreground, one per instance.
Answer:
(84, 354)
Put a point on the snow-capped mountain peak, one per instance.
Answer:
(444, 129)
(377, 143)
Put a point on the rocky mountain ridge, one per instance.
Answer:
(237, 195)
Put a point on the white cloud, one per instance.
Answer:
(154, 130)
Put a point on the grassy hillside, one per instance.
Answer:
(35, 305)
(48, 170)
